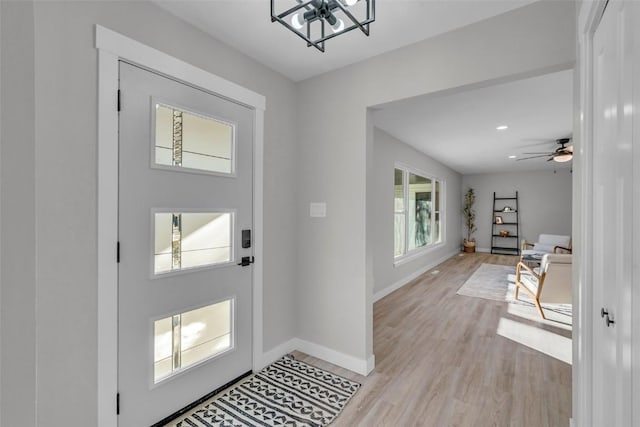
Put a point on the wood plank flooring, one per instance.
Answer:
(440, 362)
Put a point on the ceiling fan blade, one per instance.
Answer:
(546, 153)
(533, 157)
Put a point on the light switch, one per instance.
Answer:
(318, 210)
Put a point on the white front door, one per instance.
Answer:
(612, 216)
(185, 211)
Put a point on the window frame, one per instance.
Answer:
(409, 255)
(152, 383)
(154, 100)
(152, 229)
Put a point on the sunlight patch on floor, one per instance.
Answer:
(546, 342)
(554, 319)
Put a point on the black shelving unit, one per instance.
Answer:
(510, 222)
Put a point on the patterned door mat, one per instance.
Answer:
(286, 393)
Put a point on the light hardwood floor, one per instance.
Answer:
(440, 362)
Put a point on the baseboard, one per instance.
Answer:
(488, 250)
(400, 283)
(359, 366)
(275, 353)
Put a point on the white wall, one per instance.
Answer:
(318, 278)
(544, 198)
(49, 283)
(334, 283)
(388, 150)
(18, 244)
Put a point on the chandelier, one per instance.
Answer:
(317, 21)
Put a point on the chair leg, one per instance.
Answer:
(517, 291)
(539, 307)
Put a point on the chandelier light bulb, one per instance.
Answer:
(297, 21)
(338, 26)
(350, 2)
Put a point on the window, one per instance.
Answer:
(191, 240)
(417, 211)
(186, 339)
(192, 141)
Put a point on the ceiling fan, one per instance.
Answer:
(562, 154)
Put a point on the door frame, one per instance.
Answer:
(113, 47)
(589, 17)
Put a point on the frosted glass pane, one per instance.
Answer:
(163, 233)
(206, 332)
(188, 240)
(189, 140)
(164, 127)
(163, 347)
(205, 350)
(205, 231)
(203, 333)
(205, 257)
(162, 263)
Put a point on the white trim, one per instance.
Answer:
(410, 255)
(111, 48)
(588, 19)
(107, 238)
(140, 54)
(277, 352)
(400, 283)
(416, 254)
(359, 366)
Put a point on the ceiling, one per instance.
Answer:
(246, 26)
(459, 129)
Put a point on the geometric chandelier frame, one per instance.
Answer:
(317, 21)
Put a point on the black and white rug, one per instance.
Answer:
(286, 393)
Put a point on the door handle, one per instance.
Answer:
(607, 319)
(246, 260)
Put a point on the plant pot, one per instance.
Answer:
(469, 246)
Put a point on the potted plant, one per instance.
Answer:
(469, 220)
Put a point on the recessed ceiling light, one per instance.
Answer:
(502, 127)
(512, 157)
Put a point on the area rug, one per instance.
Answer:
(497, 282)
(286, 393)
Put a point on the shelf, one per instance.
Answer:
(514, 221)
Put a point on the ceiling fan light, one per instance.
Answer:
(563, 158)
(350, 2)
(297, 21)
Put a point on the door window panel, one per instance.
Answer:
(193, 141)
(185, 339)
(190, 240)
